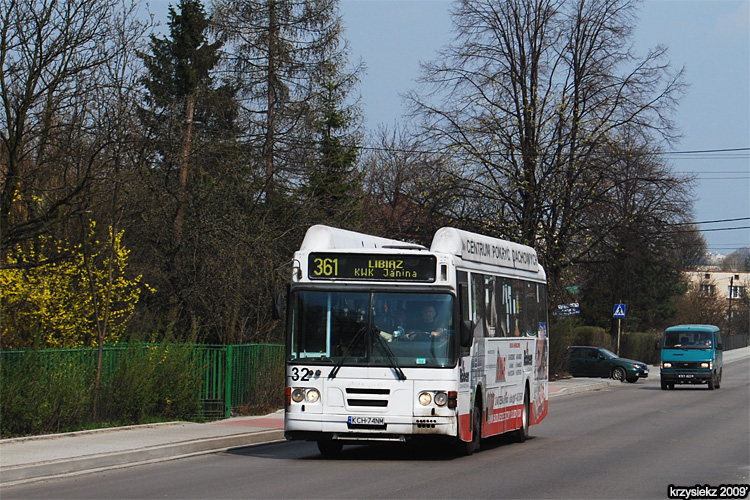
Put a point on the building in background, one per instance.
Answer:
(730, 285)
(728, 288)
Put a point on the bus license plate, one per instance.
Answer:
(685, 376)
(366, 420)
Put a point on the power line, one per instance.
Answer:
(722, 220)
(725, 178)
(719, 152)
(717, 221)
(690, 152)
(724, 229)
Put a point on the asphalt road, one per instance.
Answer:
(630, 441)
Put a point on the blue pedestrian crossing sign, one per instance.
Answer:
(619, 311)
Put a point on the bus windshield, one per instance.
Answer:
(372, 328)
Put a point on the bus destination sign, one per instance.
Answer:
(371, 267)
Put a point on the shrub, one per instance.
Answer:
(594, 336)
(567, 331)
(40, 396)
(52, 391)
(267, 392)
(640, 346)
(46, 292)
(152, 382)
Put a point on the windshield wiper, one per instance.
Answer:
(354, 342)
(391, 358)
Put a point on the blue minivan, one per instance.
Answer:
(691, 354)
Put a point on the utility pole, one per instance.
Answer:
(729, 313)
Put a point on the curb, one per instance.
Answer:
(47, 470)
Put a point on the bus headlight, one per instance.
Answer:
(301, 394)
(425, 398)
(666, 365)
(313, 395)
(441, 398)
(298, 395)
(706, 364)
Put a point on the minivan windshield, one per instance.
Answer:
(688, 340)
(364, 328)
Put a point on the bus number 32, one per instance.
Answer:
(303, 374)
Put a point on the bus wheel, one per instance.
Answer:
(329, 447)
(711, 382)
(520, 435)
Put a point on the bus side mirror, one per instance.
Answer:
(657, 345)
(720, 346)
(277, 309)
(467, 333)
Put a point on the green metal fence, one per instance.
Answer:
(230, 374)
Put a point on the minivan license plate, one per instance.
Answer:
(367, 420)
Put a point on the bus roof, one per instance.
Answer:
(485, 249)
(470, 247)
(321, 237)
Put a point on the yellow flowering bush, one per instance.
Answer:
(52, 304)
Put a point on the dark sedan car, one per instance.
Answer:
(586, 361)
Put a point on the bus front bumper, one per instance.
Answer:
(366, 428)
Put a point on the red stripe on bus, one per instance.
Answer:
(464, 426)
(503, 420)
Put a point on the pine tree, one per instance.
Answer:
(179, 68)
(333, 185)
(181, 93)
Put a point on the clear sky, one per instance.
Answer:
(710, 38)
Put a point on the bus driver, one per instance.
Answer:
(427, 325)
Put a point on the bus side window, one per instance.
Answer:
(490, 306)
(462, 278)
(464, 318)
(516, 313)
(504, 306)
(477, 301)
(532, 309)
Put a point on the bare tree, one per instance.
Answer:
(636, 229)
(529, 98)
(55, 58)
(406, 197)
(695, 307)
(739, 260)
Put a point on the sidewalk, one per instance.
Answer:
(41, 457)
(35, 458)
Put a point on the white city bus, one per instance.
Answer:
(390, 341)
